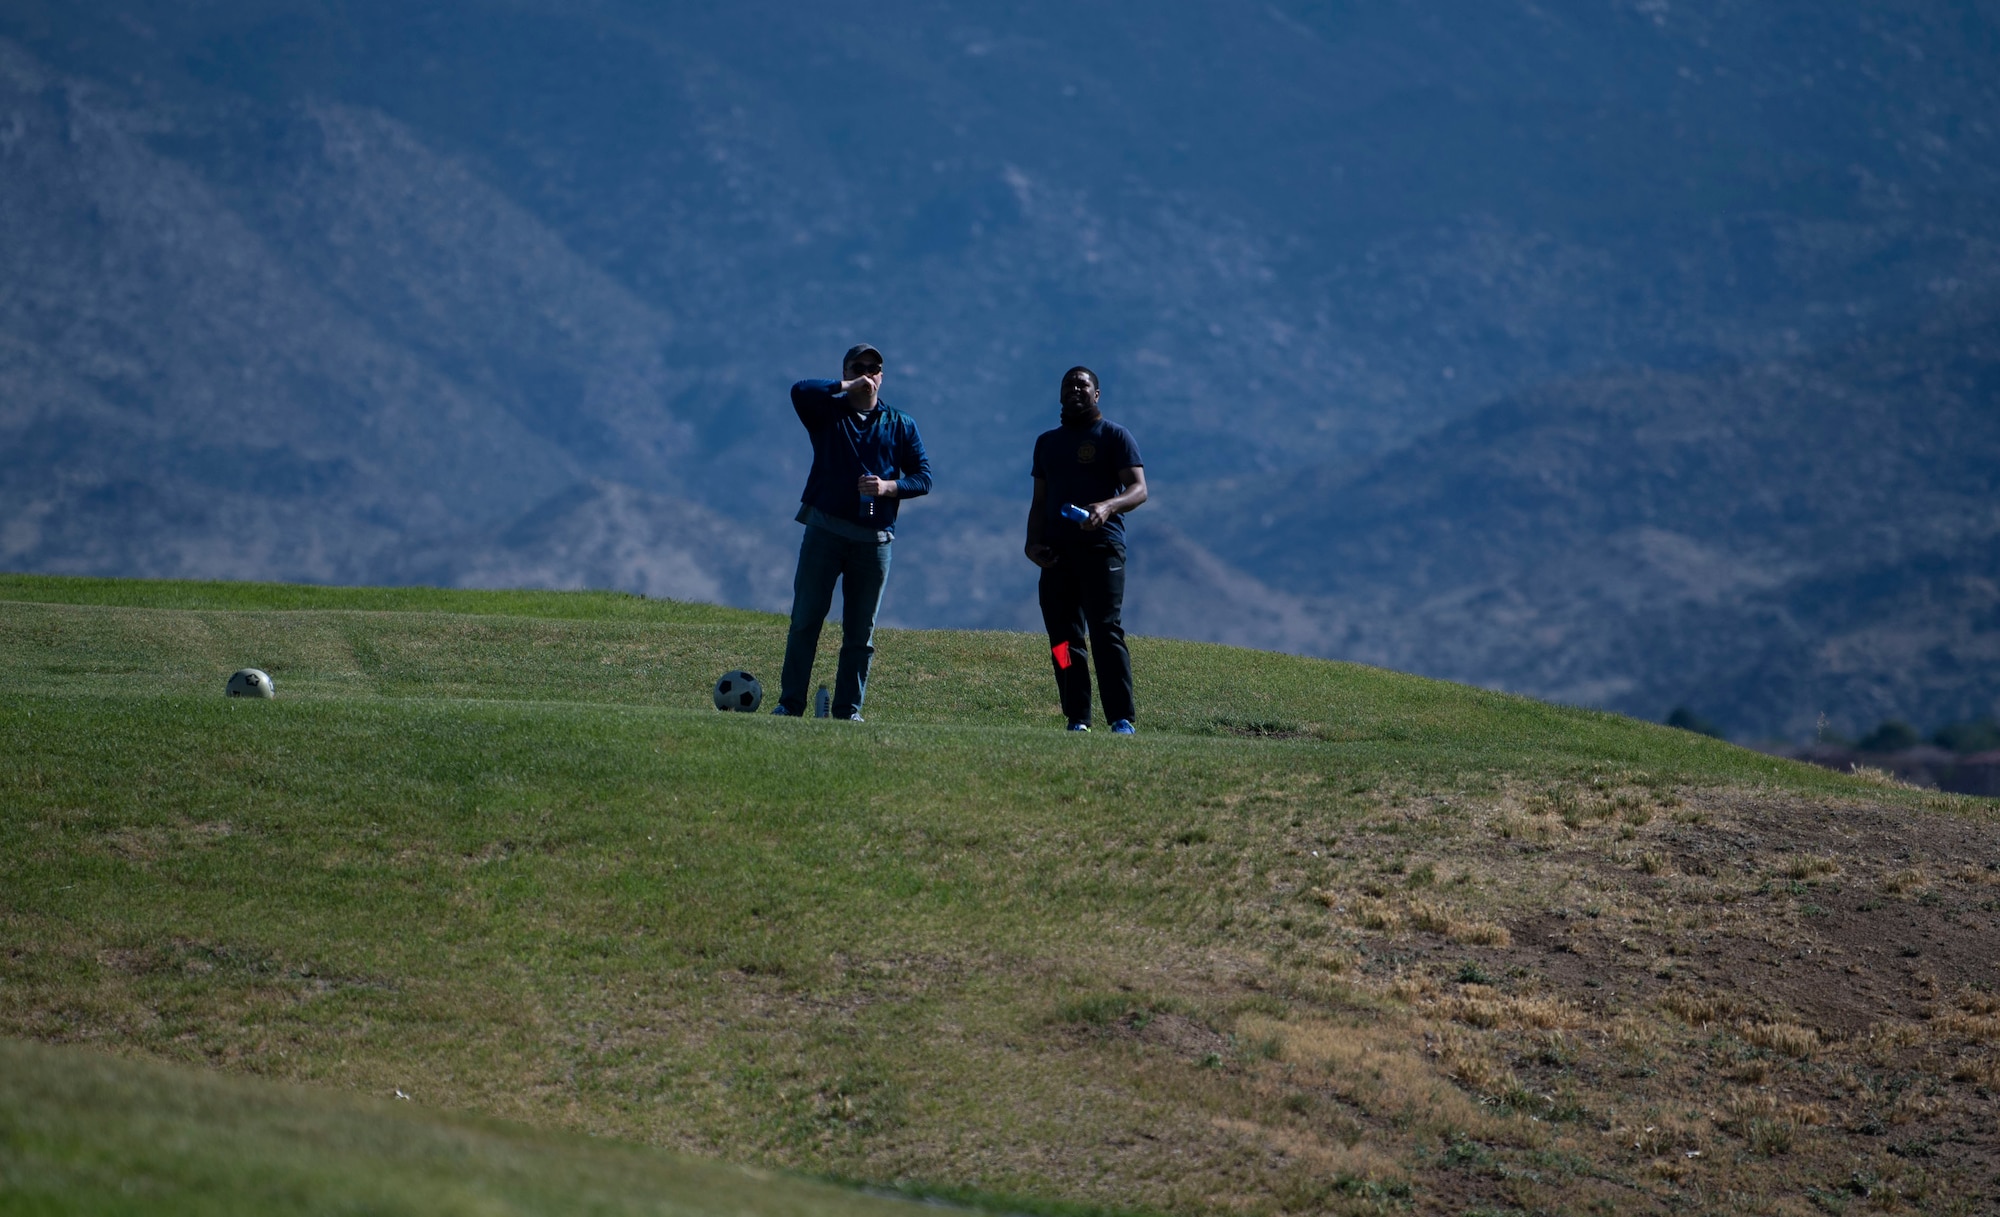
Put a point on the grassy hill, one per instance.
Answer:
(88, 1133)
(1322, 938)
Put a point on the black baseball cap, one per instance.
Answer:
(857, 351)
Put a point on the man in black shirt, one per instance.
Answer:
(1087, 473)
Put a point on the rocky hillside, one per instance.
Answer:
(1776, 541)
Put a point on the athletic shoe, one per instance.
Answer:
(854, 718)
(1124, 727)
(1079, 726)
(781, 712)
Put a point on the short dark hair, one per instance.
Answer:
(1080, 370)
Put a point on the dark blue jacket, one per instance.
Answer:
(883, 442)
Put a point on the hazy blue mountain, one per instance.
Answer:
(1777, 541)
(505, 291)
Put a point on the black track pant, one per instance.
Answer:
(1085, 589)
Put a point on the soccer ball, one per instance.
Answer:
(249, 682)
(738, 690)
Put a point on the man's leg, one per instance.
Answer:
(1103, 579)
(812, 594)
(1062, 614)
(863, 576)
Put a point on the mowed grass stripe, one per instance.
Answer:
(294, 597)
(966, 678)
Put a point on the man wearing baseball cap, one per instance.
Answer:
(866, 458)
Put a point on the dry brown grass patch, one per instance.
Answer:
(1959, 1025)
(1885, 1041)
(1467, 1061)
(1413, 987)
(1483, 934)
(1914, 1105)
(1788, 1038)
(1326, 1158)
(1977, 1001)
(1379, 1068)
(1634, 1035)
(1698, 1009)
(1377, 915)
(1880, 777)
(1978, 1070)
(1801, 867)
(1513, 826)
(1337, 962)
(1433, 918)
(1904, 881)
(1430, 918)
(1670, 1170)
(1486, 1007)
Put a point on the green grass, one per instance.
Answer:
(606, 648)
(495, 850)
(84, 1133)
(292, 597)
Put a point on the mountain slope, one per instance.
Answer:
(1726, 540)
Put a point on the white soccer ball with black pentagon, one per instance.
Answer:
(250, 682)
(738, 690)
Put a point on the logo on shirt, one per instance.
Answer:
(1086, 452)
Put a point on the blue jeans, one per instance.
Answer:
(862, 568)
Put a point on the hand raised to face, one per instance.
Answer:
(861, 381)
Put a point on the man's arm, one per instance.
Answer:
(816, 404)
(1134, 479)
(820, 403)
(1038, 551)
(914, 465)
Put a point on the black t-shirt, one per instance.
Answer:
(1080, 465)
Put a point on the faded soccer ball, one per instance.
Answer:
(738, 690)
(250, 682)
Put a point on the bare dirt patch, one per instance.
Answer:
(1702, 993)
(1897, 907)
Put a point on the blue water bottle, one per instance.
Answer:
(1073, 513)
(868, 503)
